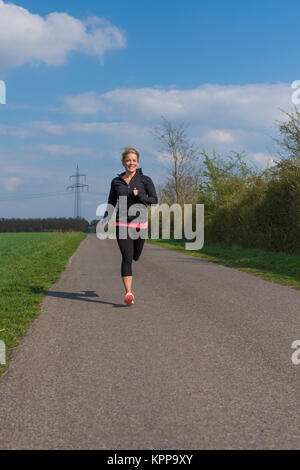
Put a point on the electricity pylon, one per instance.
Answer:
(77, 186)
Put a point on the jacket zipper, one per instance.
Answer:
(128, 185)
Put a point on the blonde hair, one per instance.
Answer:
(128, 150)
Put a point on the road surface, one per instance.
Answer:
(201, 361)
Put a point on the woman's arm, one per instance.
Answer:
(150, 197)
(111, 203)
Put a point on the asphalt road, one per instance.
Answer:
(201, 361)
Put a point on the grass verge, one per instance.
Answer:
(29, 264)
(275, 267)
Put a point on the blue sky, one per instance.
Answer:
(86, 79)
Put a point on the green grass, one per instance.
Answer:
(275, 267)
(29, 264)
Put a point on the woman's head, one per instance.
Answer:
(130, 159)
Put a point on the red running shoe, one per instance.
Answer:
(129, 298)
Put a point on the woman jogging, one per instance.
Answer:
(137, 189)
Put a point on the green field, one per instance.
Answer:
(275, 267)
(29, 264)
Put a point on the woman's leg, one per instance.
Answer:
(126, 248)
(138, 246)
(127, 281)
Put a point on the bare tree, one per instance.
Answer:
(289, 141)
(181, 184)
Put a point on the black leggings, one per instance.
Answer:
(130, 249)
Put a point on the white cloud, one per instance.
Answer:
(121, 130)
(16, 131)
(219, 135)
(14, 169)
(122, 134)
(222, 106)
(264, 159)
(64, 150)
(10, 183)
(29, 38)
(221, 118)
(83, 104)
(165, 157)
(46, 126)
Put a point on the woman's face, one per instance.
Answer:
(131, 162)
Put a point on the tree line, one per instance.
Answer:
(44, 225)
(243, 205)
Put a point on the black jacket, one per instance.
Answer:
(119, 187)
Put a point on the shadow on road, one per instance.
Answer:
(84, 295)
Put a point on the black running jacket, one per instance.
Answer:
(119, 187)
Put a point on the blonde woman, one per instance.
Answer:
(138, 189)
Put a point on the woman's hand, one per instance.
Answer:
(135, 191)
